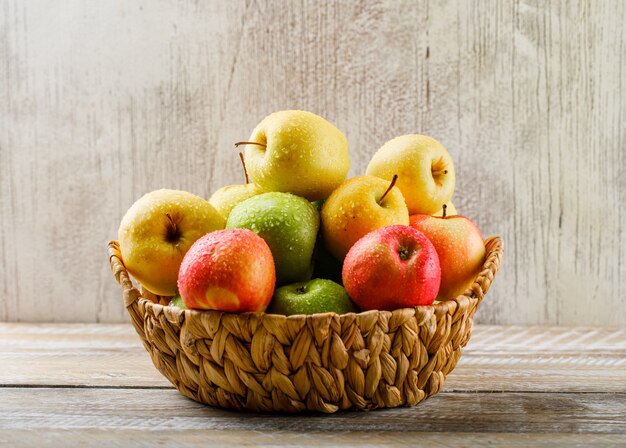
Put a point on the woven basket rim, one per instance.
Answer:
(475, 293)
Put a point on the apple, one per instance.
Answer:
(425, 170)
(390, 268)
(318, 204)
(297, 152)
(314, 296)
(288, 224)
(460, 247)
(360, 205)
(225, 199)
(450, 210)
(177, 301)
(156, 232)
(228, 270)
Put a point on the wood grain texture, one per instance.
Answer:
(497, 359)
(43, 354)
(122, 438)
(101, 102)
(127, 409)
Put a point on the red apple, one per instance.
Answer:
(392, 267)
(228, 270)
(460, 247)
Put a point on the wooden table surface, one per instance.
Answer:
(94, 385)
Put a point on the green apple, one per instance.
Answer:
(297, 152)
(359, 206)
(425, 170)
(177, 301)
(225, 199)
(288, 224)
(318, 204)
(314, 296)
(157, 231)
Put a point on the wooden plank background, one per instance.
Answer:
(101, 102)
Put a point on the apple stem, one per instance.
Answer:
(245, 171)
(393, 182)
(238, 144)
(443, 215)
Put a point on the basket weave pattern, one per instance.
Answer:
(321, 362)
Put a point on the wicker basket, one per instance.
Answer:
(321, 362)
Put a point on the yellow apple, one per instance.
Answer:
(450, 210)
(156, 233)
(297, 152)
(425, 170)
(360, 205)
(225, 199)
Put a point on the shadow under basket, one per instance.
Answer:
(320, 362)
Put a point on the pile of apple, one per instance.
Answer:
(299, 238)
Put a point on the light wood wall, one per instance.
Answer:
(102, 101)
